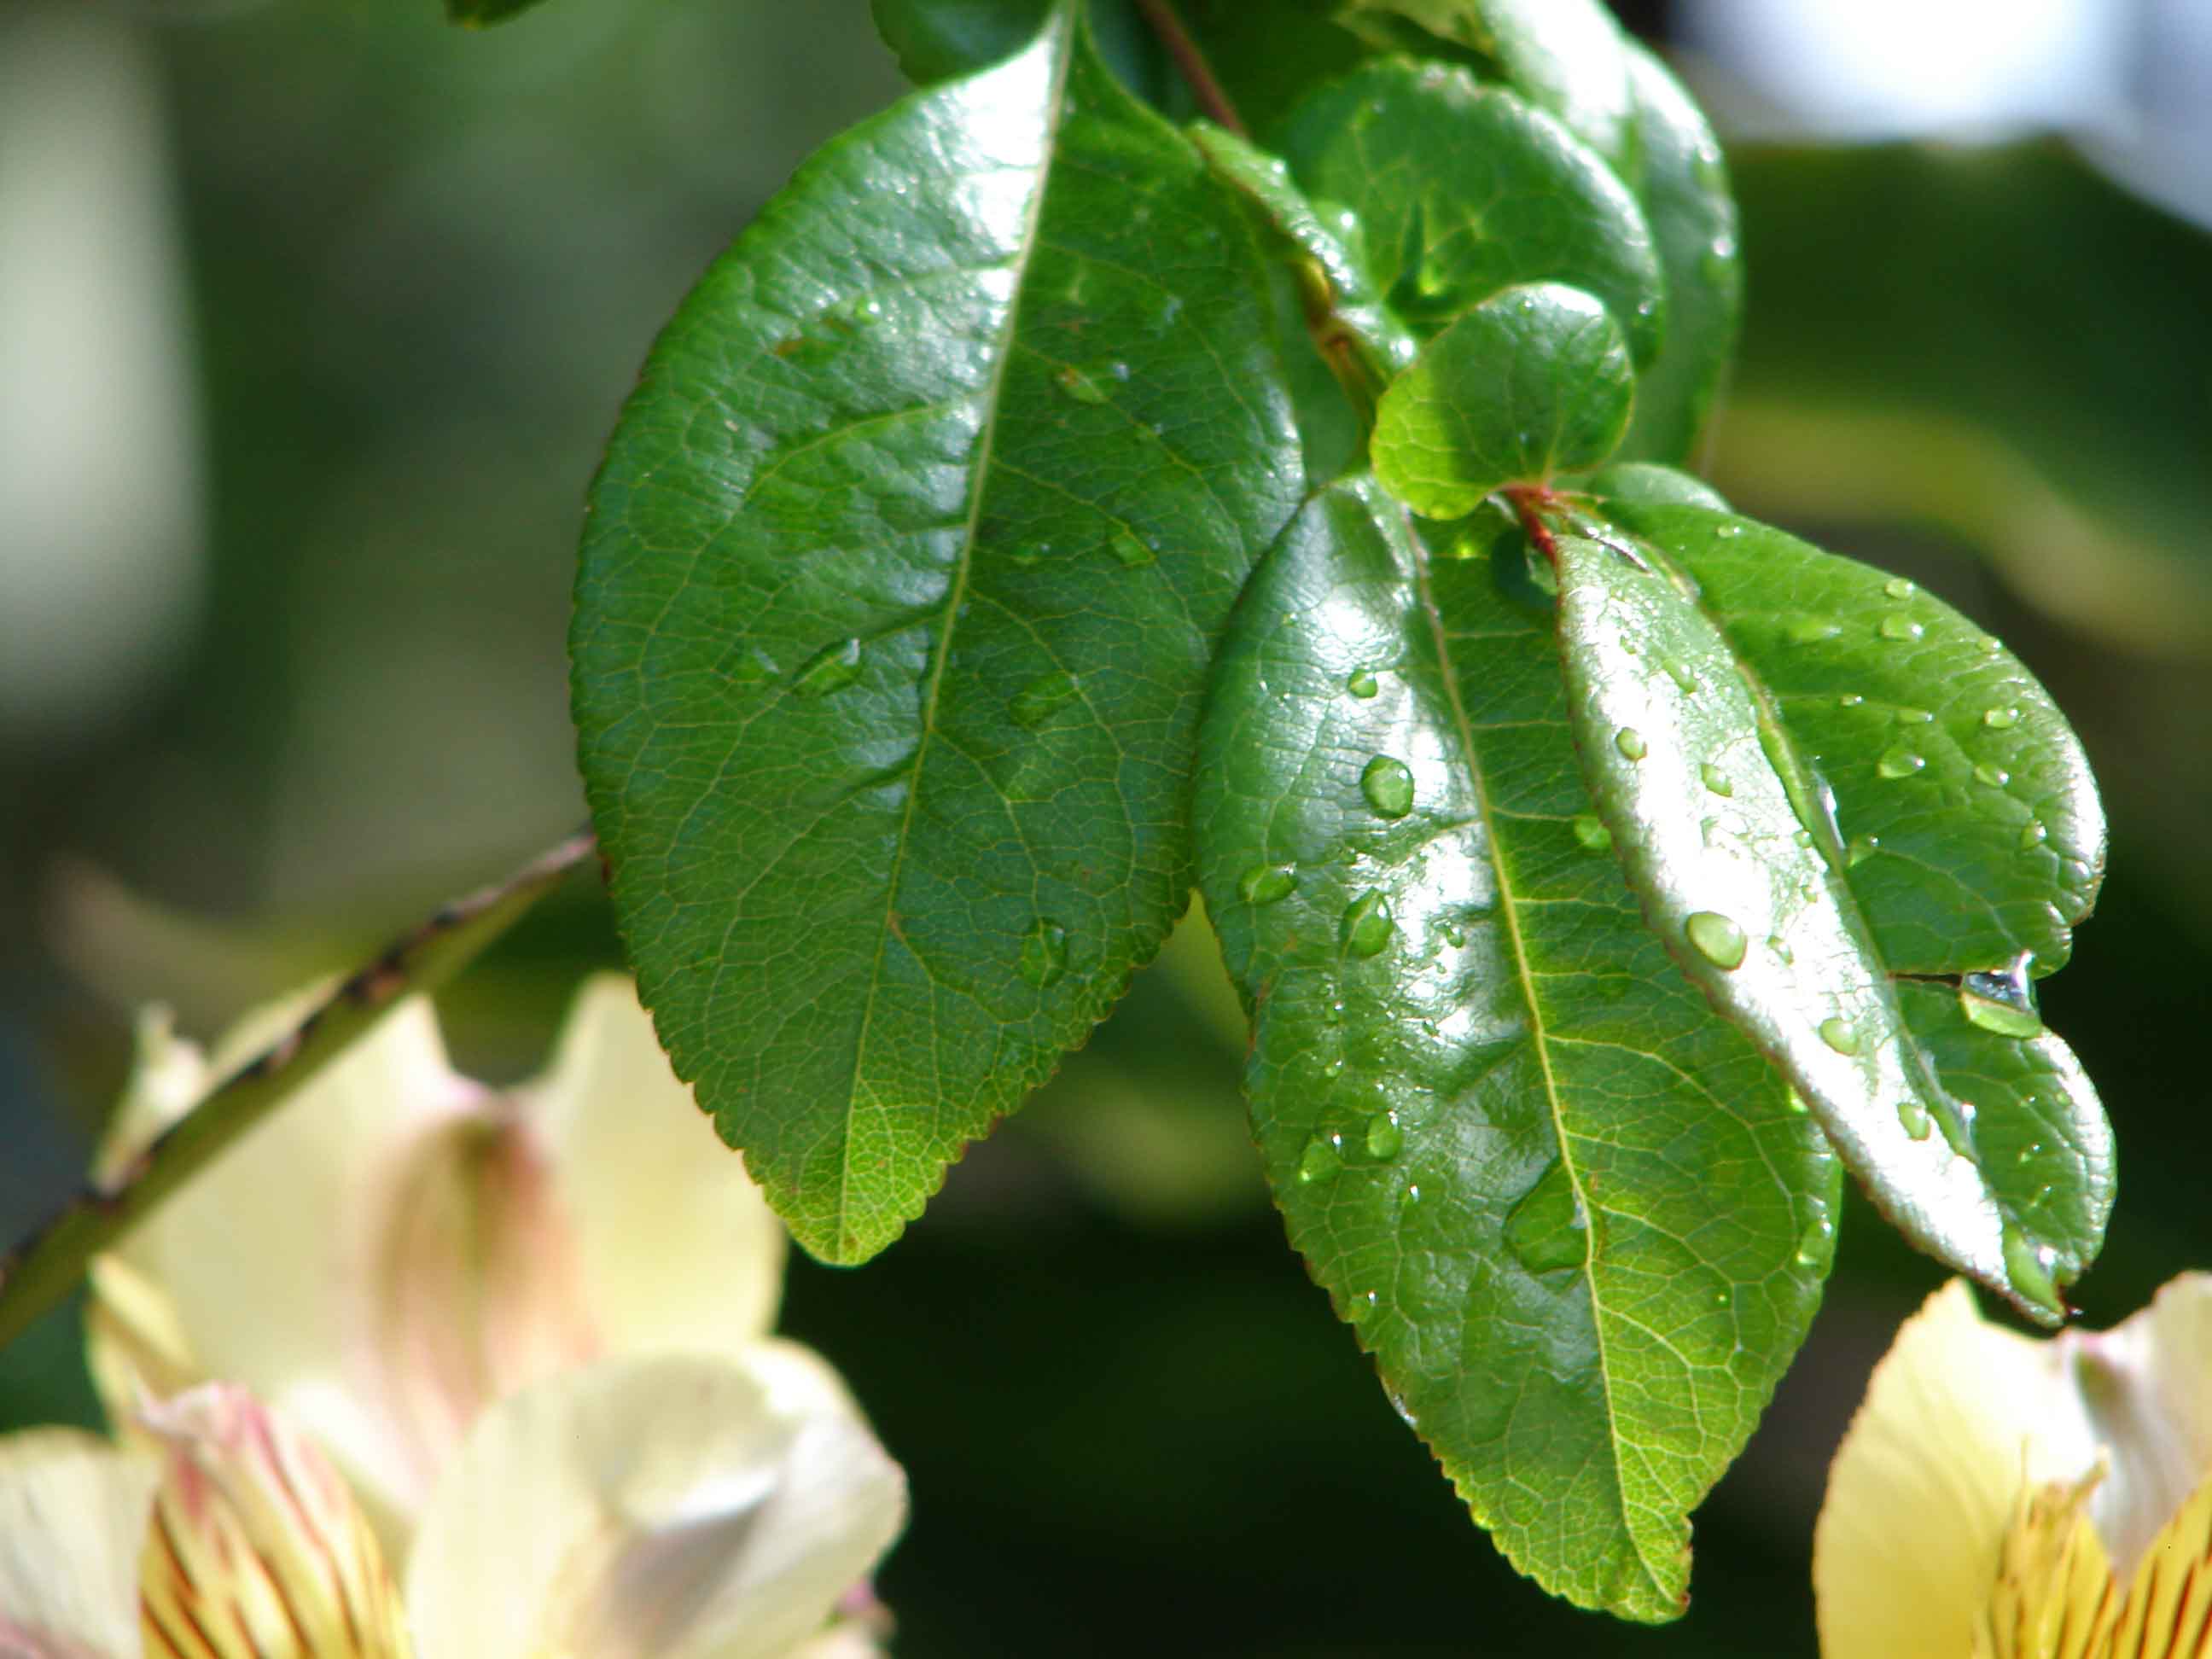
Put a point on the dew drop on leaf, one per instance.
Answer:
(1840, 1035)
(2006, 1018)
(1913, 717)
(1132, 553)
(831, 669)
(2032, 834)
(2028, 1265)
(1914, 1116)
(1999, 719)
(1898, 626)
(1035, 702)
(1899, 762)
(1361, 683)
(1547, 1229)
(1897, 589)
(1385, 1139)
(1044, 953)
(1592, 834)
(1817, 1244)
(1780, 946)
(1080, 386)
(1861, 849)
(1266, 884)
(1850, 700)
(1630, 742)
(1322, 1159)
(1367, 924)
(1717, 938)
(1387, 783)
(1811, 631)
(1679, 671)
(1996, 777)
(1716, 780)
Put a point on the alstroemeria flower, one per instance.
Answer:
(662, 1508)
(399, 1248)
(2002, 1497)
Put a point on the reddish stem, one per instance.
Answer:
(1190, 60)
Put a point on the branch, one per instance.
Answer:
(43, 1269)
(1190, 60)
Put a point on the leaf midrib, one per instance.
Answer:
(1509, 906)
(1024, 253)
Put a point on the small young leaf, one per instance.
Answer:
(1568, 56)
(1464, 188)
(897, 598)
(1531, 383)
(1707, 783)
(1684, 192)
(1573, 1215)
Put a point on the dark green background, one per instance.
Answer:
(423, 266)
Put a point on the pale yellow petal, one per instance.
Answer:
(269, 1258)
(168, 1075)
(73, 1515)
(2167, 1613)
(1955, 1427)
(2143, 1391)
(679, 1250)
(135, 1348)
(679, 1507)
(258, 1550)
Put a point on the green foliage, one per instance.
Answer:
(1600, 871)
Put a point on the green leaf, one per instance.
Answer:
(1568, 56)
(479, 14)
(1766, 822)
(1626, 485)
(897, 598)
(1572, 1214)
(1533, 382)
(1684, 192)
(1464, 188)
(936, 40)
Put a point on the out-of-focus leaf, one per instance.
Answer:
(477, 13)
(1464, 189)
(1684, 188)
(896, 603)
(1820, 854)
(1571, 1213)
(1531, 383)
(936, 40)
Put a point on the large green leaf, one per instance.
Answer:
(1684, 188)
(1573, 1214)
(1532, 382)
(1804, 838)
(897, 595)
(1464, 189)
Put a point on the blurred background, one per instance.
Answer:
(313, 315)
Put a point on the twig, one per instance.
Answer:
(41, 1270)
(1190, 60)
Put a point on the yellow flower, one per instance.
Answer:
(2002, 1497)
(660, 1508)
(399, 1247)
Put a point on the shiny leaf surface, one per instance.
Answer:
(1464, 188)
(1571, 1214)
(896, 601)
(1533, 382)
(1714, 795)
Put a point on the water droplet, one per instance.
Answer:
(1630, 742)
(2003, 1003)
(1797, 1105)
(2029, 1266)
(1334, 1069)
(831, 669)
(1387, 783)
(1080, 386)
(1716, 780)
(1454, 935)
(1121, 371)
(1999, 719)
(1816, 1245)
(1044, 953)
(1362, 1307)
(1592, 834)
(1897, 589)
(1899, 762)
(1840, 1035)
(1803, 837)
(1367, 924)
(1850, 700)
(1546, 1230)
(1810, 630)
(1861, 849)
(1385, 1139)
(1133, 554)
(752, 667)
(1729, 531)
(1957, 1128)
(2032, 834)
(1914, 1116)
(1266, 884)
(1914, 717)
(1898, 626)
(1035, 702)
(1996, 777)
(1780, 946)
(1362, 683)
(1323, 1159)
(1717, 938)
(1679, 671)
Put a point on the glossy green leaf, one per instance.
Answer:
(897, 598)
(1684, 188)
(1626, 485)
(1732, 801)
(936, 40)
(1531, 383)
(1568, 56)
(1464, 190)
(1572, 1214)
